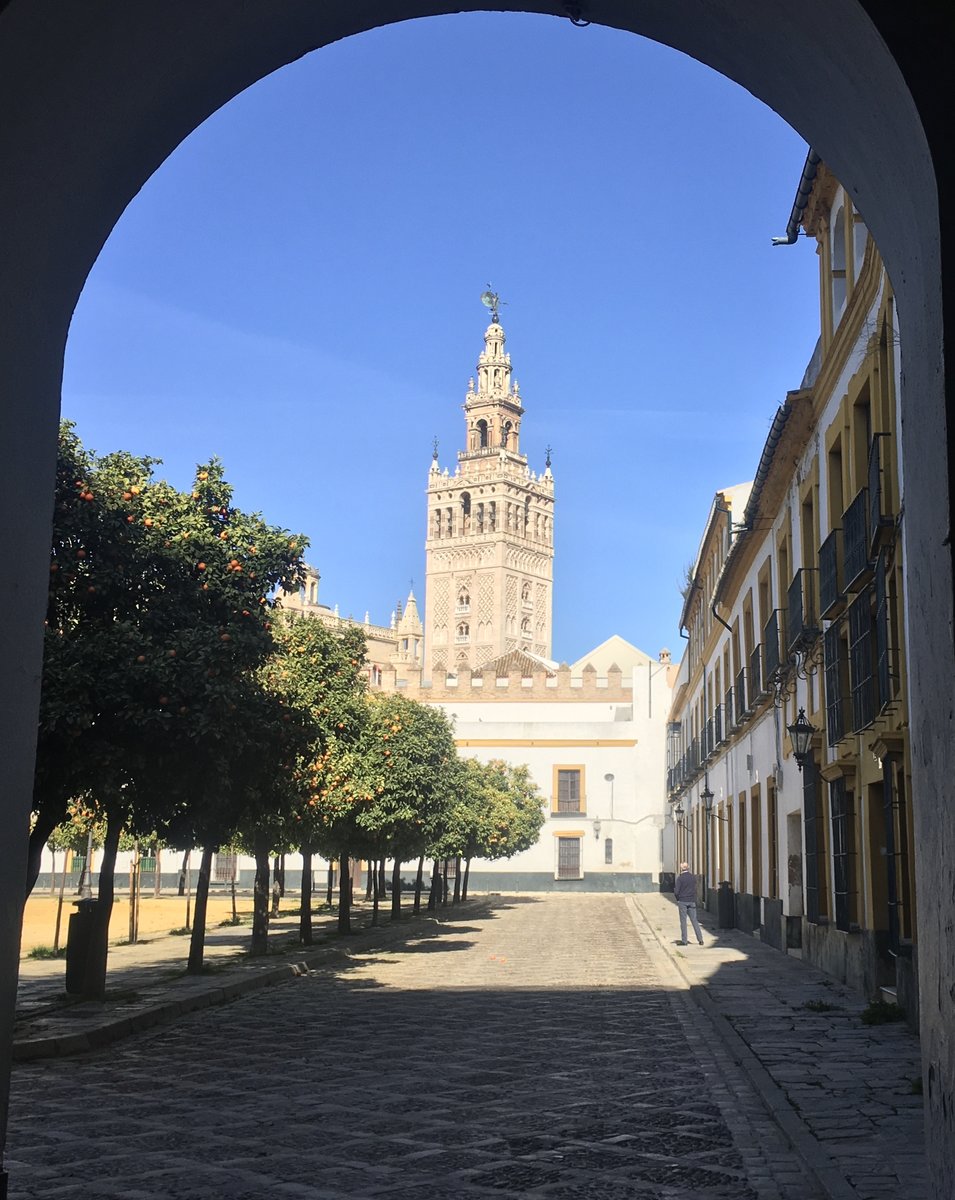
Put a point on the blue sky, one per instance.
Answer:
(297, 290)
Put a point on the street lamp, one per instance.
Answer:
(801, 732)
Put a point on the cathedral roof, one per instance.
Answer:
(518, 660)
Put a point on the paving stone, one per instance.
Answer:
(541, 1048)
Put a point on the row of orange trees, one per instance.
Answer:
(179, 706)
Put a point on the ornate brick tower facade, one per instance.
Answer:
(490, 544)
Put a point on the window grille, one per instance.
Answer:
(855, 541)
(771, 644)
(861, 661)
(830, 593)
(608, 851)
(835, 671)
(815, 843)
(718, 724)
(882, 652)
(741, 709)
(568, 791)
(879, 519)
(842, 851)
(568, 858)
(755, 679)
(225, 868)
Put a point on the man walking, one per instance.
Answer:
(684, 890)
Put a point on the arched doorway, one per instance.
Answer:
(96, 100)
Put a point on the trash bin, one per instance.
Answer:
(725, 908)
(78, 938)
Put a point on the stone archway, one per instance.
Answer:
(93, 99)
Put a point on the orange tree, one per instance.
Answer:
(320, 671)
(497, 811)
(405, 781)
(159, 608)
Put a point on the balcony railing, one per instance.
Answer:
(882, 649)
(729, 711)
(855, 541)
(830, 592)
(718, 731)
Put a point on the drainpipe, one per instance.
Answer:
(803, 192)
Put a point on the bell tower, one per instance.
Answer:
(490, 542)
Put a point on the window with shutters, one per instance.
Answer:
(568, 790)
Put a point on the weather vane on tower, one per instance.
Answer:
(490, 299)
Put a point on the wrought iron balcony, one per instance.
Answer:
(718, 725)
(836, 672)
(755, 680)
(729, 711)
(862, 660)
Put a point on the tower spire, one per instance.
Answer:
(490, 544)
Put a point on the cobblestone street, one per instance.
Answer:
(537, 1047)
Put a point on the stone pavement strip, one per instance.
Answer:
(531, 1046)
(843, 1091)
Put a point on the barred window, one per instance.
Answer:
(568, 858)
(608, 851)
(861, 660)
(882, 651)
(843, 853)
(836, 684)
(816, 889)
(568, 790)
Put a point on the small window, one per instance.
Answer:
(608, 851)
(568, 858)
(568, 791)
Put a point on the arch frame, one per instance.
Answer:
(867, 85)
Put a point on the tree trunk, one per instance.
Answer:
(444, 883)
(417, 886)
(382, 890)
(53, 870)
(40, 834)
(59, 903)
(344, 896)
(467, 876)
(376, 897)
(182, 872)
(370, 881)
(235, 911)
(330, 889)
(260, 898)
(280, 873)
(396, 892)
(94, 973)
(457, 880)
(197, 942)
(305, 914)
(188, 878)
(157, 878)
(133, 887)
